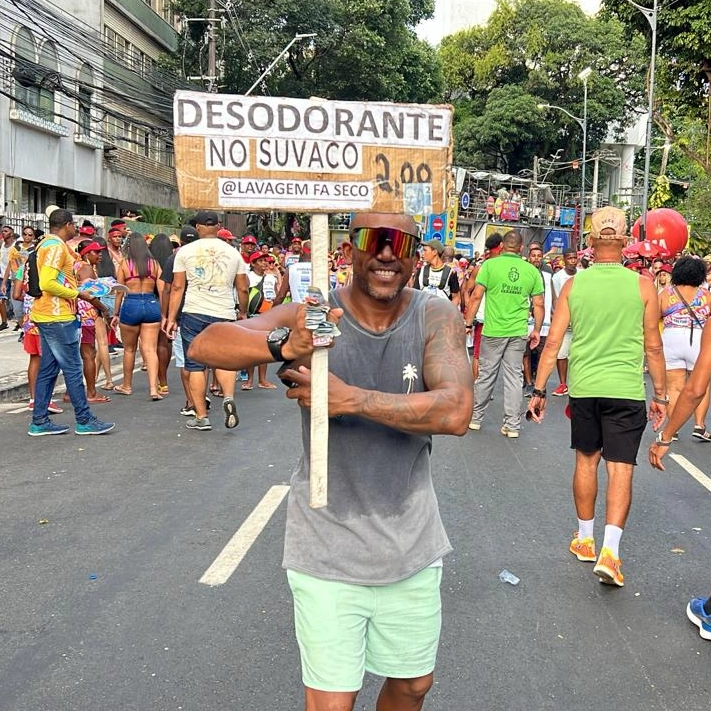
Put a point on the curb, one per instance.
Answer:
(20, 391)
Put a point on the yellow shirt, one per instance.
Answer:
(55, 263)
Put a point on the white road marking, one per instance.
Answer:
(231, 555)
(17, 411)
(684, 463)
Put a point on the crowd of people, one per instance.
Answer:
(135, 318)
(225, 308)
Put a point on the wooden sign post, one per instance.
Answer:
(257, 153)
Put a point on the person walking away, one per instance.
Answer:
(614, 317)
(212, 272)
(388, 393)
(512, 287)
(55, 315)
(187, 235)
(139, 313)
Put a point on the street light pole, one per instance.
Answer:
(268, 70)
(583, 76)
(651, 16)
(582, 122)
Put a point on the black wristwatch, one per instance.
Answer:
(276, 340)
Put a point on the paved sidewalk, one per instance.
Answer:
(13, 368)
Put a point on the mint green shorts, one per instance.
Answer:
(344, 630)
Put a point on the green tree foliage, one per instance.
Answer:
(682, 107)
(529, 53)
(683, 48)
(364, 49)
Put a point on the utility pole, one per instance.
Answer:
(211, 54)
(212, 78)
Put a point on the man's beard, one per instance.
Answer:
(364, 286)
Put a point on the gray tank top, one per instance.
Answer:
(382, 522)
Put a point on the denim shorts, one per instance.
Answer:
(139, 308)
(344, 630)
(190, 326)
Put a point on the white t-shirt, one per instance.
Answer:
(559, 279)
(4, 258)
(547, 305)
(210, 267)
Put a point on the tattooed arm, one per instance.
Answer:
(446, 406)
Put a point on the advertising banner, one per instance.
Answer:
(256, 153)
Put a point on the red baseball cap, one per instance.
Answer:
(249, 239)
(257, 255)
(224, 233)
(92, 247)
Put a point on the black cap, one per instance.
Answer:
(207, 217)
(188, 234)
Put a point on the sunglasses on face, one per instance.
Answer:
(372, 240)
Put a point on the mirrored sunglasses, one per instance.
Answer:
(372, 240)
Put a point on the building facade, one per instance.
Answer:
(85, 111)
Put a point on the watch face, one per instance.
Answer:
(278, 335)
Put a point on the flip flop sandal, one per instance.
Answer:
(108, 386)
(267, 386)
(98, 399)
(247, 387)
(119, 389)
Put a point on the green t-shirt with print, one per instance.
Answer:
(510, 282)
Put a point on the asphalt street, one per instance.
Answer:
(105, 540)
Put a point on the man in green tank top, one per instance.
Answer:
(614, 315)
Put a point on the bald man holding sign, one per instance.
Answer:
(398, 373)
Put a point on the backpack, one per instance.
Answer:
(31, 273)
(443, 289)
(257, 304)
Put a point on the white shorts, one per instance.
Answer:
(564, 350)
(679, 352)
(178, 350)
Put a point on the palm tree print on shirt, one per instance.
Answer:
(409, 373)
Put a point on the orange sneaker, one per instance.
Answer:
(583, 549)
(608, 570)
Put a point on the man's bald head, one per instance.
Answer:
(384, 219)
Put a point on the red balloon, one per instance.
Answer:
(666, 228)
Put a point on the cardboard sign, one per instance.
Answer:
(256, 153)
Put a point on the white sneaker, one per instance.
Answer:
(475, 425)
(507, 432)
